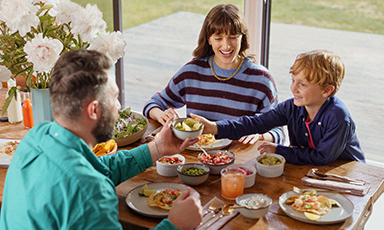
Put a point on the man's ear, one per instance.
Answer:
(93, 110)
(328, 90)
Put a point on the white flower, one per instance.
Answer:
(66, 8)
(88, 23)
(43, 52)
(19, 15)
(5, 74)
(111, 44)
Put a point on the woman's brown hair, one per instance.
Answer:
(224, 18)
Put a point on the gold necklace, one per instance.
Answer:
(225, 79)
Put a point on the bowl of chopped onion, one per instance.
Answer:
(130, 127)
(217, 160)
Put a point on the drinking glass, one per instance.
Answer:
(232, 182)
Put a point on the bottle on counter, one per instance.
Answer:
(27, 109)
(14, 109)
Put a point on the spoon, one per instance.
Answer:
(226, 210)
(205, 152)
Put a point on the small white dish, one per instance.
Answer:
(169, 170)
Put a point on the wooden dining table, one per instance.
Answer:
(272, 187)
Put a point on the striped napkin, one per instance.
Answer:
(354, 186)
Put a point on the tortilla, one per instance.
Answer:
(206, 139)
(318, 205)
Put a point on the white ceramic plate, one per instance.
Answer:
(217, 144)
(336, 215)
(138, 203)
(5, 159)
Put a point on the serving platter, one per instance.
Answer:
(138, 203)
(335, 215)
(217, 144)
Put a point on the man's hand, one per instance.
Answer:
(186, 212)
(168, 144)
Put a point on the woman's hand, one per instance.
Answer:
(251, 139)
(210, 127)
(162, 116)
(186, 211)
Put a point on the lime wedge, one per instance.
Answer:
(196, 126)
(149, 192)
(144, 188)
(311, 216)
(186, 127)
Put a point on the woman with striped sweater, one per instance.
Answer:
(222, 81)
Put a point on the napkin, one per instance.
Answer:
(355, 189)
(221, 222)
(151, 136)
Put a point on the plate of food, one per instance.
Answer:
(154, 199)
(316, 207)
(7, 149)
(209, 142)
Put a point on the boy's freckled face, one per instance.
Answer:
(305, 93)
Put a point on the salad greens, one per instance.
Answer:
(127, 125)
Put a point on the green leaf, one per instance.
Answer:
(6, 105)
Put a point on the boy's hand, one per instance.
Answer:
(209, 126)
(267, 147)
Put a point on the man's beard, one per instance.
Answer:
(104, 130)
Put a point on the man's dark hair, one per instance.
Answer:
(78, 77)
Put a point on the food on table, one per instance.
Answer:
(127, 125)
(253, 202)
(247, 172)
(188, 124)
(193, 171)
(310, 202)
(170, 160)
(163, 199)
(206, 139)
(9, 147)
(270, 160)
(104, 148)
(218, 159)
(312, 216)
(145, 191)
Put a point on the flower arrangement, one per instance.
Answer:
(34, 33)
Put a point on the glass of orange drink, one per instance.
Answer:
(232, 182)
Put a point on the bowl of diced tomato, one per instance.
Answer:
(167, 165)
(217, 160)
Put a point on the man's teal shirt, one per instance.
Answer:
(56, 182)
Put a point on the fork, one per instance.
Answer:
(213, 208)
(301, 191)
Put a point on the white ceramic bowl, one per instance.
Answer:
(254, 213)
(249, 179)
(169, 170)
(193, 180)
(270, 170)
(182, 134)
(123, 141)
(215, 169)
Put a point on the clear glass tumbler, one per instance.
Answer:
(232, 182)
